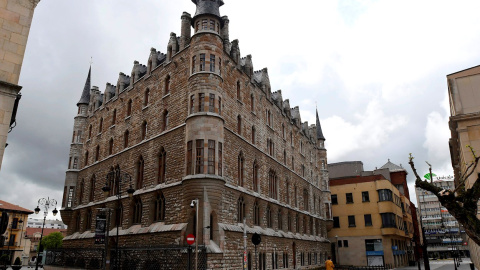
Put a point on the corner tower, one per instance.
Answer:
(76, 155)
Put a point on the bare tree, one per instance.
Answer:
(461, 203)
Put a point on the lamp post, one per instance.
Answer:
(115, 179)
(194, 203)
(44, 204)
(338, 255)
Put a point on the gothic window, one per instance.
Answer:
(114, 117)
(241, 210)
(269, 118)
(293, 163)
(297, 223)
(239, 125)
(253, 135)
(199, 157)
(256, 214)
(211, 157)
(295, 196)
(80, 195)
(285, 157)
(194, 62)
(86, 158)
(75, 163)
(159, 210)
(255, 176)
(241, 161)
(220, 157)
(88, 220)
(189, 157)
(280, 219)
(167, 85)
(252, 103)
(112, 183)
(283, 131)
(211, 103)
(137, 211)
(146, 97)
(110, 147)
(289, 222)
(272, 184)
(79, 136)
(125, 139)
(100, 126)
(140, 172)
(303, 170)
(90, 132)
(201, 102)
(165, 121)
(238, 90)
(288, 192)
(144, 130)
(220, 66)
(219, 105)
(269, 217)
(97, 153)
(91, 196)
(192, 104)
(202, 62)
(162, 165)
(212, 63)
(129, 108)
(305, 200)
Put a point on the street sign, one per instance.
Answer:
(190, 239)
(256, 239)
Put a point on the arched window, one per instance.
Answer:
(119, 215)
(114, 117)
(144, 130)
(82, 188)
(125, 139)
(239, 125)
(75, 163)
(272, 184)
(97, 153)
(146, 97)
(167, 85)
(253, 135)
(280, 219)
(88, 220)
(137, 211)
(241, 160)
(238, 90)
(129, 108)
(256, 214)
(289, 222)
(162, 165)
(252, 103)
(255, 176)
(90, 132)
(159, 210)
(269, 217)
(241, 210)
(86, 159)
(100, 126)
(91, 196)
(110, 147)
(194, 62)
(140, 172)
(305, 200)
(297, 223)
(165, 121)
(285, 157)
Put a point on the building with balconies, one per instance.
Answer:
(372, 219)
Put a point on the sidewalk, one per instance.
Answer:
(441, 265)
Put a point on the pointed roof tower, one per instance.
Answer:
(210, 7)
(85, 98)
(319, 129)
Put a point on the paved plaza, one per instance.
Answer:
(442, 265)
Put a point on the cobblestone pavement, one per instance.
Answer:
(442, 265)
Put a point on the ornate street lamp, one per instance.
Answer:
(117, 178)
(44, 204)
(193, 204)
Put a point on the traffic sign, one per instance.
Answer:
(190, 239)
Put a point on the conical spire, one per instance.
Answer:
(319, 129)
(207, 7)
(85, 99)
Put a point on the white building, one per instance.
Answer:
(49, 224)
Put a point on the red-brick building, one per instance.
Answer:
(199, 123)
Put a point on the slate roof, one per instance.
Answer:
(392, 167)
(85, 98)
(207, 7)
(14, 208)
(319, 130)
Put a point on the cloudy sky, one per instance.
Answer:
(375, 69)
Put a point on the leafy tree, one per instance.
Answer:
(53, 240)
(461, 203)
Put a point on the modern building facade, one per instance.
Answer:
(444, 235)
(16, 19)
(14, 243)
(49, 224)
(372, 219)
(464, 126)
(199, 123)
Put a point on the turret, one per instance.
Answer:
(186, 32)
(172, 47)
(208, 7)
(320, 137)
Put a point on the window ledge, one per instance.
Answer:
(112, 126)
(128, 117)
(145, 107)
(165, 96)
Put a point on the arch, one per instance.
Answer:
(129, 108)
(162, 165)
(90, 132)
(272, 184)
(110, 147)
(269, 217)
(165, 120)
(137, 209)
(88, 220)
(238, 90)
(86, 159)
(159, 207)
(239, 125)
(97, 153)
(255, 176)
(256, 214)
(114, 117)
(125, 138)
(240, 175)
(252, 102)
(167, 83)
(253, 134)
(100, 126)
(140, 172)
(144, 130)
(91, 196)
(279, 219)
(146, 97)
(240, 209)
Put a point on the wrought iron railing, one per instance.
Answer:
(81, 258)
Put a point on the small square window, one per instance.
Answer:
(351, 221)
(334, 199)
(345, 243)
(365, 196)
(368, 220)
(336, 222)
(349, 197)
(339, 243)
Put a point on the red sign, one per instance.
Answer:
(190, 239)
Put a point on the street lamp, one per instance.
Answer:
(193, 204)
(116, 178)
(45, 204)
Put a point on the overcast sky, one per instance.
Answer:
(376, 70)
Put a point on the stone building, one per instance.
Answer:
(197, 122)
(15, 21)
(372, 216)
(464, 127)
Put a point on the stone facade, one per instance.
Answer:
(199, 123)
(15, 21)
